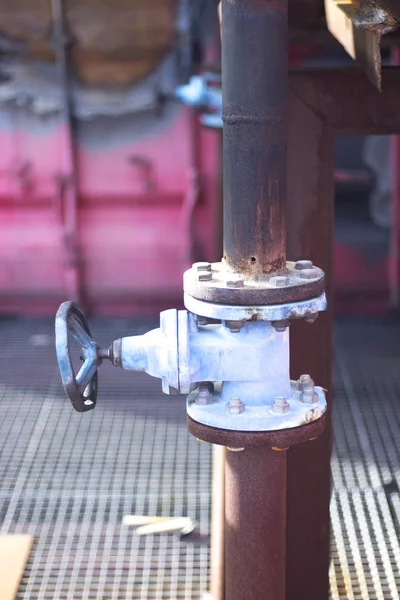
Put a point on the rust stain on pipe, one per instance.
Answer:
(254, 83)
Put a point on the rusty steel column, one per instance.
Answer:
(255, 526)
(254, 84)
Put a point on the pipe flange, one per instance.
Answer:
(306, 309)
(277, 440)
(214, 282)
(257, 418)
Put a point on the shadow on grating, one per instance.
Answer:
(69, 479)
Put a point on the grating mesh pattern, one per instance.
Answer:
(69, 479)
(365, 508)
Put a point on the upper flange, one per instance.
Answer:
(215, 283)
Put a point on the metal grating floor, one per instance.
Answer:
(68, 479)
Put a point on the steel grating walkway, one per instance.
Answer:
(68, 479)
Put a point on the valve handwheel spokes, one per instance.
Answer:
(81, 387)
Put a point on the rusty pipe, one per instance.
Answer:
(255, 524)
(217, 568)
(254, 90)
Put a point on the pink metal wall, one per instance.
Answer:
(112, 218)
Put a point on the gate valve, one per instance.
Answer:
(234, 371)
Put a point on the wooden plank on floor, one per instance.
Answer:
(14, 552)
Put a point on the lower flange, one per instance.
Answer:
(278, 440)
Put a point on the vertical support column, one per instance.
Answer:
(310, 236)
(254, 90)
(394, 261)
(68, 180)
(218, 524)
(255, 524)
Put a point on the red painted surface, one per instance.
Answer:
(145, 209)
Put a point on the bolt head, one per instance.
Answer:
(202, 321)
(309, 273)
(235, 282)
(304, 378)
(280, 326)
(201, 266)
(279, 281)
(311, 318)
(235, 406)
(234, 326)
(303, 264)
(280, 406)
(204, 396)
(304, 382)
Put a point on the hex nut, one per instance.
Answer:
(304, 381)
(235, 406)
(279, 281)
(234, 326)
(202, 321)
(204, 396)
(204, 275)
(235, 282)
(309, 395)
(280, 326)
(303, 264)
(280, 406)
(201, 266)
(309, 273)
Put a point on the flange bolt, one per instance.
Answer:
(203, 269)
(303, 264)
(205, 394)
(280, 406)
(235, 406)
(279, 281)
(234, 282)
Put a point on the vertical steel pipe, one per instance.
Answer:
(254, 90)
(255, 526)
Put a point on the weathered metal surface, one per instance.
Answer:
(254, 83)
(217, 551)
(269, 439)
(113, 41)
(294, 285)
(255, 527)
(366, 111)
(310, 177)
(306, 309)
(359, 27)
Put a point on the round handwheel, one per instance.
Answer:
(80, 387)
